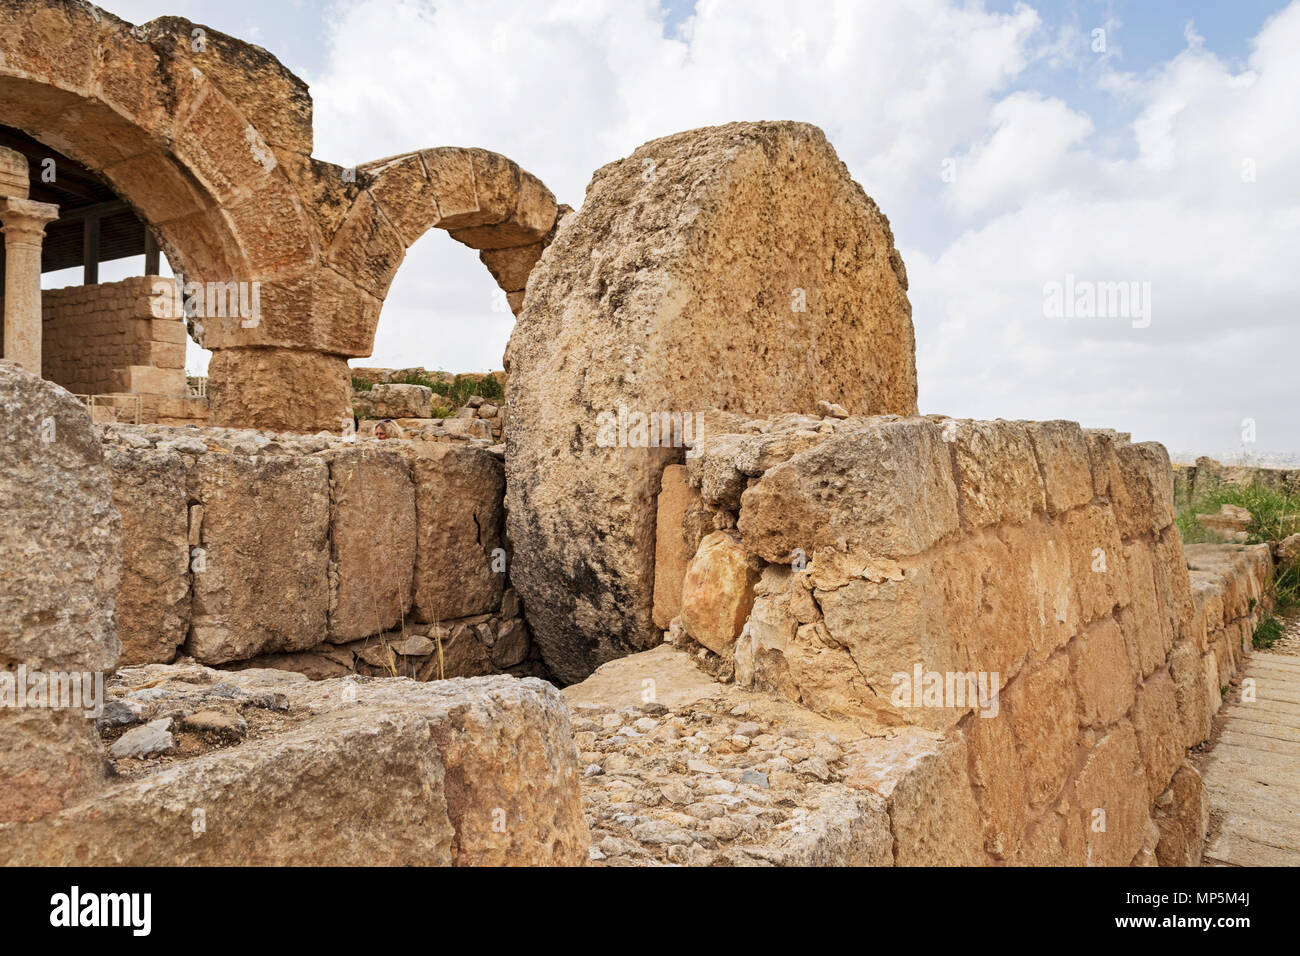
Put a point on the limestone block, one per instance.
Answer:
(14, 177)
(1194, 709)
(1159, 731)
(1183, 820)
(60, 532)
(529, 207)
(998, 776)
(261, 86)
(1051, 611)
(1052, 839)
(367, 249)
(1144, 497)
(247, 388)
(1102, 459)
(510, 267)
(372, 541)
(1104, 677)
(1112, 782)
(1146, 628)
(451, 178)
(400, 401)
(802, 661)
(718, 592)
(647, 276)
(672, 552)
(359, 789)
(265, 556)
(1096, 560)
(1173, 585)
(986, 618)
(1063, 462)
(877, 487)
(153, 600)
(459, 562)
(936, 821)
(405, 195)
(1207, 589)
(512, 644)
(61, 551)
(1043, 710)
(998, 481)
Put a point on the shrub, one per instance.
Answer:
(1268, 633)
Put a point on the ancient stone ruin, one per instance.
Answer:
(703, 587)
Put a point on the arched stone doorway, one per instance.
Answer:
(209, 139)
(104, 339)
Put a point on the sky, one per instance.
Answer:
(1018, 149)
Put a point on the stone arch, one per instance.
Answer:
(139, 106)
(209, 139)
(481, 198)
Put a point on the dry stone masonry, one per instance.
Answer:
(1015, 588)
(209, 140)
(211, 767)
(316, 554)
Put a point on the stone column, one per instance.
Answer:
(24, 228)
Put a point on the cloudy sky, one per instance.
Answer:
(1010, 144)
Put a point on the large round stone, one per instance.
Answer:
(736, 268)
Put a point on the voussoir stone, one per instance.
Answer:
(696, 276)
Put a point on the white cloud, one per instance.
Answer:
(1027, 150)
(1218, 251)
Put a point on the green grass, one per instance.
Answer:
(449, 392)
(456, 391)
(1274, 515)
(1286, 586)
(361, 385)
(1268, 633)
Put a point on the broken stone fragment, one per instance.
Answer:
(217, 723)
(718, 592)
(152, 739)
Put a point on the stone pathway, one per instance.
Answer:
(1252, 776)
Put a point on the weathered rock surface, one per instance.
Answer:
(672, 553)
(634, 306)
(372, 541)
(335, 772)
(718, 592)
(60, 559)
(153, 601)
(401, 401)
(264, 546)
(459, 560)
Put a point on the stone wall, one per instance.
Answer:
(1194, 481)
(1016, 590)
(104, 339)
(314, 554)
(262, 767)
